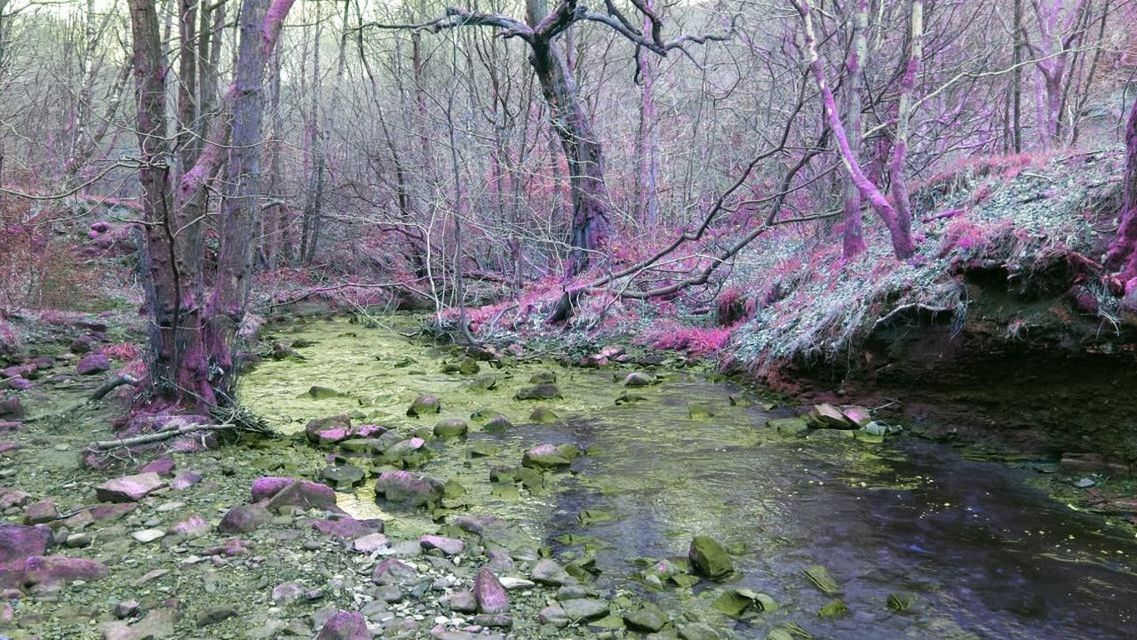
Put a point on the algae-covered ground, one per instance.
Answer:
(828, 533)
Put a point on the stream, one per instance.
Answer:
(978, 551)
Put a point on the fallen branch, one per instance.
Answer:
(159, 436)
(111, 385)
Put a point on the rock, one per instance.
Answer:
(543, 415)
(538, 392)
(366, 431)
(322, 393)
(126, 609)
(555, 616)
(490, 594)
(345, 626)
(498, 424)
(483, 382)
(216, 614)
(19, 384)
(648, 619)
(157, 624)
(698, 411)
(129, 488)
(511, 583)
(408, 488)
(329, 423)
(710, 558)
(191, 527)
(493, 621)
(859, 416)
(52, 570)
(93, 363)
(348, 527)
(638, 379)
(548, 572)
(451, 428)
(543, 377)
(305, 495)
(584, 609)
(18, 543)
(393, 571)
(698, 631)
(264, 488)
(41, 512)
(332, 436)
(549, 456)
(12, 498)
(185, 480)
(342, 477)
(424, 405)
(11, 408)
(788, 425)
(77, 540)
(827, 416)
(163, 466)
(287, 592)
(448, 546)
(244, 518)
(148, 535)
(370, 543)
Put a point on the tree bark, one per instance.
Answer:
(1122, 254)
(853, 241)
(590, 201)
(648, 186)
(901, 238)
(899, 182)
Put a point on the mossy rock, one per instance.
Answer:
(451, 428)
(788, 425)
(543, 415)
(699, 411)
(546, 391)
(483, 382)
(543, 377)
(425, 405)
(709, 558)
(499, 424)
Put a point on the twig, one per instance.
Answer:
(111, 385)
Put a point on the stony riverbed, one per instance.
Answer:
(522, 499)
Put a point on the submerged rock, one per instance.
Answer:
(341, 477)
(550, 456)
(408, 488)
(638, 379)
(498, 425)
(425, 405)
(710, 558)
(585, 609)
(647, 619)
(546, 391)
(543, 415)
(451, 428)
(698, 411)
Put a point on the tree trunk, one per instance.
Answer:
(189, 357)
(900, 197)
(1123, 252)
(590, 200)
(853, 241)
(647, 188)
(901, 238)
(1017, 81)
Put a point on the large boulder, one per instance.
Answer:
(408, 488)
(305, 495)
(129, 488)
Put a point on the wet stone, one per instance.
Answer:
(342, 477)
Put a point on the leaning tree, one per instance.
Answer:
(583, 151)
(192, 325)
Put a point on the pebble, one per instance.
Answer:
(148, 535)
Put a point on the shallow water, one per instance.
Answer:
(985, 555)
